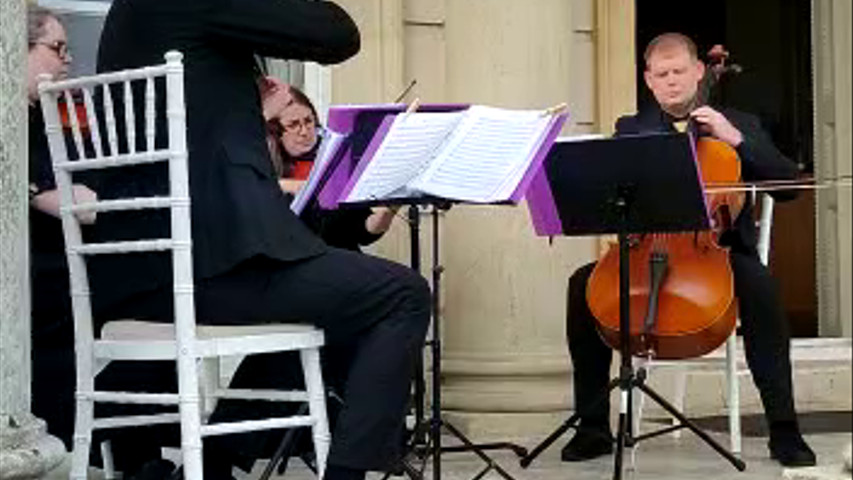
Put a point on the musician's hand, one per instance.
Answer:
(380, 220)
(275, 97)
(289, 185)
(717, 125)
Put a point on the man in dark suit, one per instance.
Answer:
(673, 74)
(254, 261)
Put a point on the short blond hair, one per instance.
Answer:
(670, 40)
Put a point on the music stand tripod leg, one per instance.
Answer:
(571, 422)
(686, 422)
(419, 433)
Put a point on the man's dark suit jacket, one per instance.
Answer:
(760, 160)
(238, 210)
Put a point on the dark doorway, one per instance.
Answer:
(771, 40)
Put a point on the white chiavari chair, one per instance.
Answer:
(183, 341)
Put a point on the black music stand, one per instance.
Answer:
(424, 440)
(624, 185)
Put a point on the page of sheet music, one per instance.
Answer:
(486, 156)
(405, 151)
(329, 146)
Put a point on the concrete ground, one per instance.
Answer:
(662, 458)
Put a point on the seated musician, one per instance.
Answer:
(254, 261)
(293, 137)
(293, 134)
(673, 73)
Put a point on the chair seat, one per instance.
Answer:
(141, 340)
(714, 357)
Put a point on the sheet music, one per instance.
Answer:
(405, 151)
(329, 146)
(487, 156)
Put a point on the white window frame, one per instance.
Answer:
(318, 87)
(77, 7)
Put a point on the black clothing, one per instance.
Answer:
(51, 305)
(759, 158)
(52, 328)
(233, 188)
(343, 228)
(376, 307)
(763, 322)
(254, 260)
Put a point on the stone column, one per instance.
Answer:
(833, 130)
(26, 451)
(506, 367)
(507, 372)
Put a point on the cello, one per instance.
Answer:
(682, 301)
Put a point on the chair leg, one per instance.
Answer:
(190, 412)
(209, 385)
(680, 394)
(316, 406)
(83, 422)
(107, 458)
(638, 409)
(733, 392)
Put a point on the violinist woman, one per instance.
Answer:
(673, 74)
(293, 135)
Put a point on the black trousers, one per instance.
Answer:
(375, 310)
(763, 324)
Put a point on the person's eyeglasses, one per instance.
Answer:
(294, 125)
(59, 47)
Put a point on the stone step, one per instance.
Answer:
(831, 472)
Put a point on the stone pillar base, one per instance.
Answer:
(26, 449)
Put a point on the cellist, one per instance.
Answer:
(673, 74)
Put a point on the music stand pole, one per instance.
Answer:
(435, 349)
(436, 420)
(414, 218)
(626, 372)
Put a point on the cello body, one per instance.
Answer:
(695, 308)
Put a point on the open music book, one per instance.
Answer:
(480, 155)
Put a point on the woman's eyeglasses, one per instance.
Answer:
(59, 47)
(295, 125)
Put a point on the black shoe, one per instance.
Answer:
(788, 448)
(588, 443)
(159, 469)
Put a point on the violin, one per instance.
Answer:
(79, 107)
(682, 301)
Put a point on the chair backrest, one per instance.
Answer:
(94, 151)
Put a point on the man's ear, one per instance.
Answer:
(647, 76)
(700, 68)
